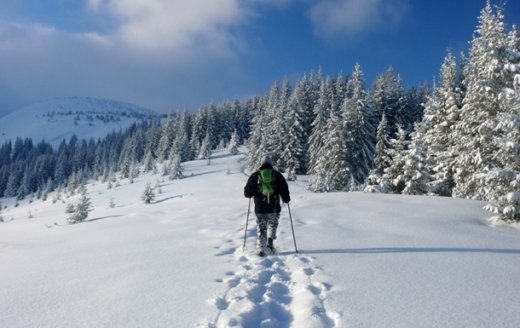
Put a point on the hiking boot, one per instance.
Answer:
(270, 245)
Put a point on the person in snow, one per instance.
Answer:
(267, 186)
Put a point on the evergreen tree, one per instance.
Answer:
(481, 106)
(321, 115)
(176, 171)
(280, 127)
(358, 115)
(382, 158)
(416, 177)
(205, 148)
(5, 153)
(433, 134)
(212, 127)
(271, 123)
(70, 208)
(299, 119)
(243, 115)
(148, 194)
(502, 182)
(393, 179)
(388, 97)
(198, 131)
(166, 141)
(82, 208)
(293, 154)
(320, 178)
(181, 144)
(333, 159)
(233, 143)
(153, 137)
(257, 148)
(14, 181)
(148, 162)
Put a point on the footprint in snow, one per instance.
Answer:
(278, 291)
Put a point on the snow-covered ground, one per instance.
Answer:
(366, 260)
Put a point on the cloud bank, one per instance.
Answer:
(150, 52)
(176, 26)
(352, 18)
(162, 54)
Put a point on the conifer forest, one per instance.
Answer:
(459, 137)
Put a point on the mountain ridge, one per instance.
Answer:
(57, 119)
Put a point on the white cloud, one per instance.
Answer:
(350, 18)
(174, 26)
(151, 52)
(94, 4)
(164, 54)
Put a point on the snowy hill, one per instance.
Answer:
(366, 260)
(58, 119)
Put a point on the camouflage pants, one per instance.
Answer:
(267, 225)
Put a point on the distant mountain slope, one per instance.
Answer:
(57, 119)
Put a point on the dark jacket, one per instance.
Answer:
(262, 204)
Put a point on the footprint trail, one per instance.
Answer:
(277, 291)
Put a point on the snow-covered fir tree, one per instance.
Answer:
(148, 194)
(233, 143)
(429, 162)
(388, 98)
(148, 162)
(266, 127)
(176, 171)
(205, 148)
(415, 176)
(181, 144)
(481, 108)
(467, 145)
(299, 119)
(333, 158)
(293, 153)
(279, 135)
(393, 180)
(382, 158)
(82, 208)
(258, 146)
(153, 137)
(166, 140)
(70, 208)
(358, 116)
(502, 182)
(321, 116)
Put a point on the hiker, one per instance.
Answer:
(267, 186)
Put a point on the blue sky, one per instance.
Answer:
(170, 54)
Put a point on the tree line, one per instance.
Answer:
(29, 169)
(460, 139)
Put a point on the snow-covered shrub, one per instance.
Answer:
(82, 208)
(148, 194)
(176, 168)
(70, 208)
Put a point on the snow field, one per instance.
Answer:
(367, 260)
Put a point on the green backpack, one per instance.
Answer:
(266, 182)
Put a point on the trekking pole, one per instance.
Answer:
(292, 228)
(247, 221)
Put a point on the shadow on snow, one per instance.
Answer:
(383, 250)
